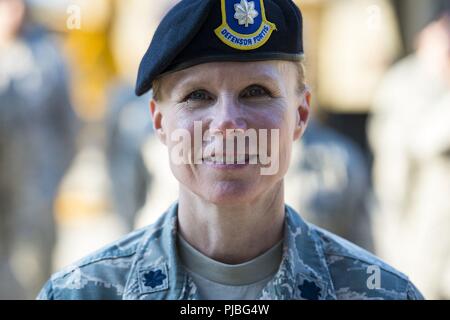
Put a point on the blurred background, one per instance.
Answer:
(80, 167)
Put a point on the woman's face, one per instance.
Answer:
(200, 109)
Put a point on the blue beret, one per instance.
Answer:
(201, 31)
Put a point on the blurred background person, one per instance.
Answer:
(128, 118)
(357, 42)
(335, 192)
(127, 128)
(410, 137)
(10, 288)
(38, 129)
(338, 195)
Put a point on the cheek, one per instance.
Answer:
(178, 134)
(281, 145)
(174, 119)
(287, 139)
(176, 123)
(276, 115)
(282, 119)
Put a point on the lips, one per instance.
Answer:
(231, 159)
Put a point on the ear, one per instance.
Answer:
(302, 114)
(157, 118)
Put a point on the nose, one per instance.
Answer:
(228, 115)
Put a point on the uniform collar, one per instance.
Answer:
(157, 273)
(303, 273)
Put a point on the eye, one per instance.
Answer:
(198, 95)
(255, 91)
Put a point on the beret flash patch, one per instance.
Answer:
(244, 24)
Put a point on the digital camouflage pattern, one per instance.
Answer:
(315, 265)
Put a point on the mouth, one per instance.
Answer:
(230, 160)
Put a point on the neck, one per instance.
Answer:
(232, 234)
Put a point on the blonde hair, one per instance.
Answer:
(301, 75)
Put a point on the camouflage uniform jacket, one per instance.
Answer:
(315, 265)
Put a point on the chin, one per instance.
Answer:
(229, 193)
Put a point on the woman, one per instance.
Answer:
(223, 72)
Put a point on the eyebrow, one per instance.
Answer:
(192, 82)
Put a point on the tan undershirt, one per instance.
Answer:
(220, 281)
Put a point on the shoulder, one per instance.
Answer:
(358, 274)
(100, 275)
(113, 271)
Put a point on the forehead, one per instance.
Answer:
(226, 73)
